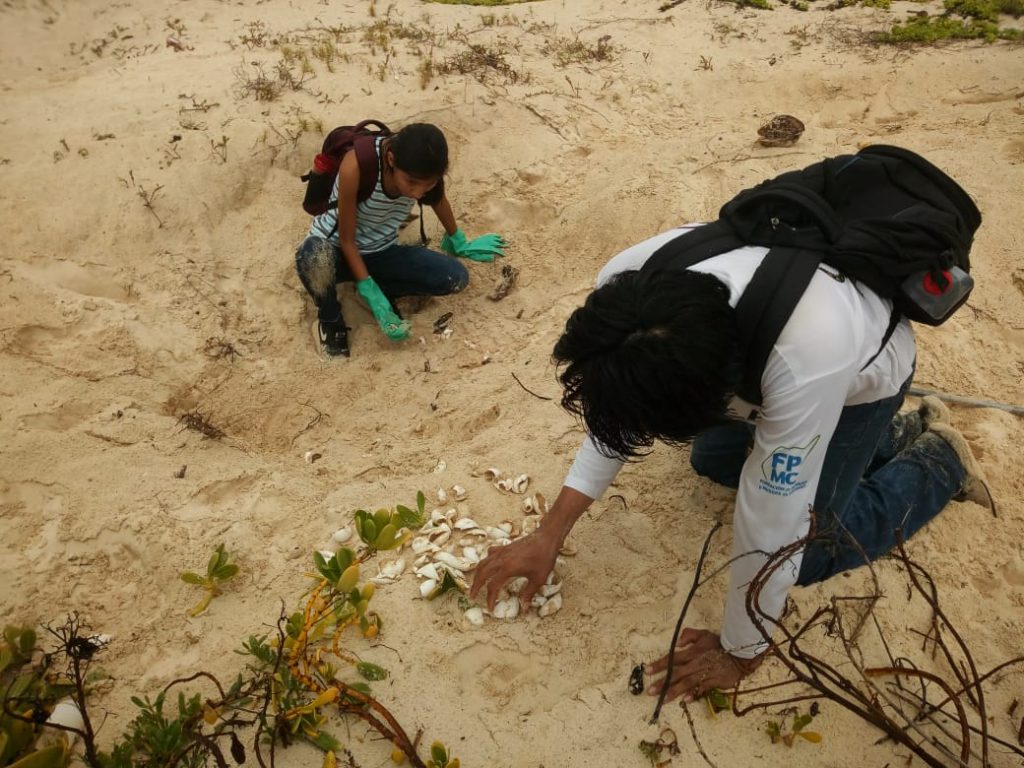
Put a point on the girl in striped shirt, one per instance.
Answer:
(358, 240)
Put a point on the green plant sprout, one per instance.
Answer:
(775, 733)
(218, 570)
(718, 701)
(439, 757)
(382, 530)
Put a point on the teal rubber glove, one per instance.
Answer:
(483, 248)
(393, 327)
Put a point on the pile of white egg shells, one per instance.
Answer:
(452, 543)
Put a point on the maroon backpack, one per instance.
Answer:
(361, 137)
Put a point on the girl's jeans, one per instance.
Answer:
(876, 479)
(401, 270)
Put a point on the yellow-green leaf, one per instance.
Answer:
(348, 579)
(812, 736)
(386, 537)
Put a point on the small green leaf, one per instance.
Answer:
(320, 563)
(421, 502)
(774, 731)
(27, 642)
(717, 700)
(371, 671)
(381, 518)
(326, 742)
(193, 578)
(799, 721)
(408, 518)
(211, 566)
(368, 532)
(438, 753)
(226, 571)
(344, 558)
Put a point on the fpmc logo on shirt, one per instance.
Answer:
(781, 470)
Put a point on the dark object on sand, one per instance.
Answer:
(780, 131)
(442, 322)
(509, 275)
(636, 680)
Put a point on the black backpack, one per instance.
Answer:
(885, 217)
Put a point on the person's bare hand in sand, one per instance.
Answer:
(700, 665)
(533, 556)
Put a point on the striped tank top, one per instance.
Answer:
(378, 218)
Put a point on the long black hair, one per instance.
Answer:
(420, 150)
(650, 356)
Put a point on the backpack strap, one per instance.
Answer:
(768, 301)
(369, 162)
(693, 247)
(766, 306)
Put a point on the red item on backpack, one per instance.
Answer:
(362, 138)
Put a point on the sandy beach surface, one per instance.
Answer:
(149, 214)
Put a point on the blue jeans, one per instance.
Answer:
(877, 477)
(401, 270)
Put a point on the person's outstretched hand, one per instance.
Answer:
(700, 665)
(532, 556)
(483, 248)
(395, 328)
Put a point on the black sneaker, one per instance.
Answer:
(334, 339)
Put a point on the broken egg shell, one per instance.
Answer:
(465, 524)
(475, 616)
(422, 544)
(442, 496)
(506, 609)
(393, 569)
(67, 714)
(427, 587)
(459, 492)
(343, 534)
(551, 607)
(440, 467)
(453, 562)
(520, 483)
(311, 456)
(550, 590)
(515, 585)
(428, 571)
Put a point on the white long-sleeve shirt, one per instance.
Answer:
(813, 371)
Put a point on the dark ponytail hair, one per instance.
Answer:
(650, 356)
(420, 150)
